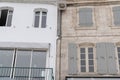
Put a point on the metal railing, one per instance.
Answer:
(26, 73)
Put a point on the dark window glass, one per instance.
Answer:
(90, 56)
(3, 17)
(44, 17)
(82, 56)
(83, 62)
(90, 50)
(37, 18)
(118, 49)
(83, 69)
(91, 62)
(82, 50)
(91, 69)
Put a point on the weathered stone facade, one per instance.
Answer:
(103, 30)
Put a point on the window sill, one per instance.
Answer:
(86, 28)
(115, 27)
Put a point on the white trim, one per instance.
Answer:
(24, 45)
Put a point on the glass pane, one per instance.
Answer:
(3, 17)
(39, 59)
(36, 23)
(91, 69)
(83, 69)
(91, 62)
(118, 49)
(9, 20)
(43, 23)
(90, 56)
(37, 13)
(83, 62)
(22, 63)
(82, 50)
(90, 50)
(82, 56)
(119, 61)
(119, 56)
(6, 57)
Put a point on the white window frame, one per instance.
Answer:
(40, 10)
(9, 9)
(86, 46)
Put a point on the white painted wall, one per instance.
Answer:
(22, 29)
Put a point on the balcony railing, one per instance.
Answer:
(26, 73)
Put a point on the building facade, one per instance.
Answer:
(28, 31)
(89, 41)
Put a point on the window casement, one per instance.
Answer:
(22, 63)
(87, 59)
(40, 18)
(6, 17)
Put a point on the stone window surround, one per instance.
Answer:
(86, 45)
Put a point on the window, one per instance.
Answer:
(22, 63)
(86, 59)
(40, 18)
(6, 17)
(116, 15)
(85, 17)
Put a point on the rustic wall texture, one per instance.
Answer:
(103, 29)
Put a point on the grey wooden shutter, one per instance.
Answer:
(101, 58)
(85, 17)
(112, 66)
(116, 15)
(72, 58)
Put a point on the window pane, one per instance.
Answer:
(118, 49)
(83, 62)
(91, 69)
(91, 62)
(9, 20)
(3, 17)
(37, 17)
(39, 59)
(6, 57)
(44, 16)
(82, 50)
(90, 56)
(23, 63)
(82, 56)
(83, 69)
(119, 56)
(90, 50)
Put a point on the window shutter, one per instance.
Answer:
(116, 15)
(72, 58)
(85, 17)
(101, 58)
(112, 67)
